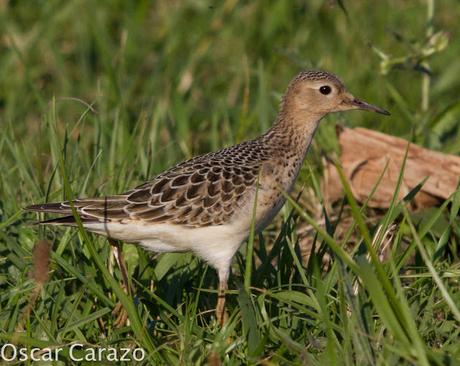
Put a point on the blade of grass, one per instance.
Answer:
(437, 279)
(250, 245)
(336, 248)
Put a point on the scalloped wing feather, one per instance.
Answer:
(206, 190)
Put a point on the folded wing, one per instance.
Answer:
(200, 192)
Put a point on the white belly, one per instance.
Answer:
(215, 244)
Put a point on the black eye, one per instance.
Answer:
(325, 89)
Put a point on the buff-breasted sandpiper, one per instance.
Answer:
(206, 204)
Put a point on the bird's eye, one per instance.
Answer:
(325, 89)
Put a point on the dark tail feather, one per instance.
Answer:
(57, 207)
(66, 220)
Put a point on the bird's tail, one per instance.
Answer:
(62, 208)
(53, 207)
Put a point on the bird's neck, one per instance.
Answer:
(293, 131)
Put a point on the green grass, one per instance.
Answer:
(96, 97)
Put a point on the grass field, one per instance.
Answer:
(96, 97)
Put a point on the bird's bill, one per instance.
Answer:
(360, 104)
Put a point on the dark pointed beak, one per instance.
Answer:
(359, 104)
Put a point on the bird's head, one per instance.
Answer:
(320, 93)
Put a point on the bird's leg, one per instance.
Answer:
(122, 315)
(221, 314)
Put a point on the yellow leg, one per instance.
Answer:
(221, 314)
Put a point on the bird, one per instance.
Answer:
(207, 204)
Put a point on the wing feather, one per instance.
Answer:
(199, 192)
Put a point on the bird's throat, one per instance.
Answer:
(293, 134)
